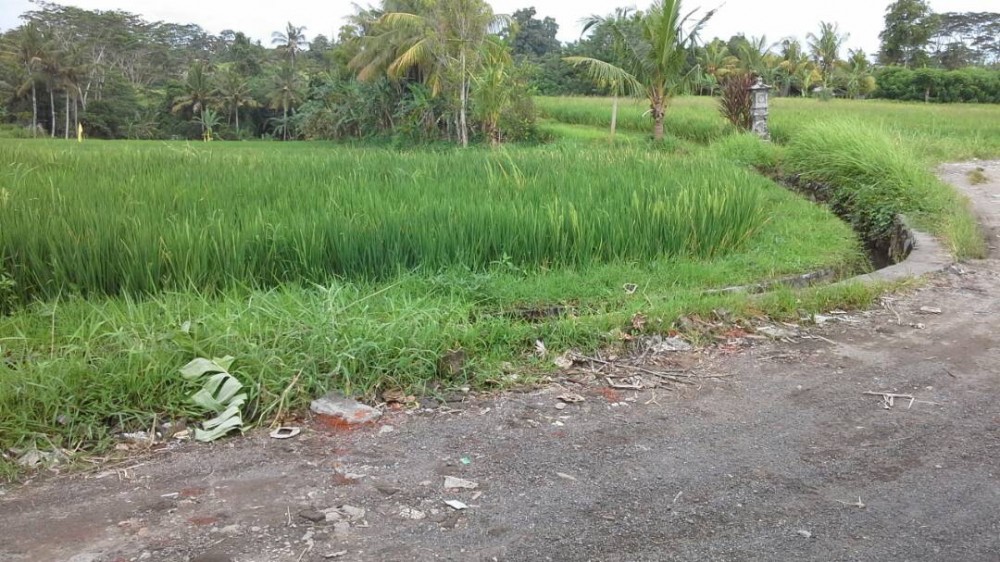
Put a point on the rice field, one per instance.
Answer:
(320, 266)
(935, 132)
(140, 218)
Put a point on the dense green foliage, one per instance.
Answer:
(909, 25)
(421, 71)
(968, 85)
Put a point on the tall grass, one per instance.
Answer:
(874, 179)
(138, 218)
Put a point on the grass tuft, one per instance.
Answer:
(874, 179)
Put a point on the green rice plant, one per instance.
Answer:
(144, 217)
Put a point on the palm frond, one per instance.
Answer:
(411, 57)
(606, 74)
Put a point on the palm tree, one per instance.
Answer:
(70, 75)
(290, 41)
(234, 91)
(440, 44)
(715, 61)
(825, 48)
(856, 74)
(493, 91)
(209, 120)
(652, 65)
(792, 61)
(27, 50)
(198, 91)
(286, 91)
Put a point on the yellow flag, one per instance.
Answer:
(79, 132)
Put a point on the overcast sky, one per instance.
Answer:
(862, 19)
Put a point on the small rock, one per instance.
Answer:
(930, 310)
(451, 483)
(341, 528)
(570, 398)
(344, 512)
(231, 529)
(563, 361)
(456, 505)
(313, 515)
(386, 429)
(339, 407)
(775, 332)
(561, 406)
(411, 513)
(212, 557)
(804, 533)
(388, 490)
(660, 344)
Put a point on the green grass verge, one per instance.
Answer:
(874, 179)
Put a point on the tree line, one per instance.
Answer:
(430, 70)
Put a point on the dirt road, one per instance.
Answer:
(785, 459)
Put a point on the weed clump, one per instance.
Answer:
(873, 179)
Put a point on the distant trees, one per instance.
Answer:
(909, 26)
(825, 49)
(427, 70)
(930, 56)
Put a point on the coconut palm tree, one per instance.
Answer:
(290, 41)
(716, 61)
(653, 65)
(234, 92)
(855, 74)
(825, 48)
(441, 44)
(792, 61)
(493, 92)
(198, 91)
(286, 92)
(27, 50)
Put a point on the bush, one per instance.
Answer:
(737, 99)
(967, 85)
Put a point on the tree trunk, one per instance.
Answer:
(34, 110)
(237, 122)
(284, 133)
(658, 113)
(614, 116)
(463, 129)
(67, 116)
(52, 106)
